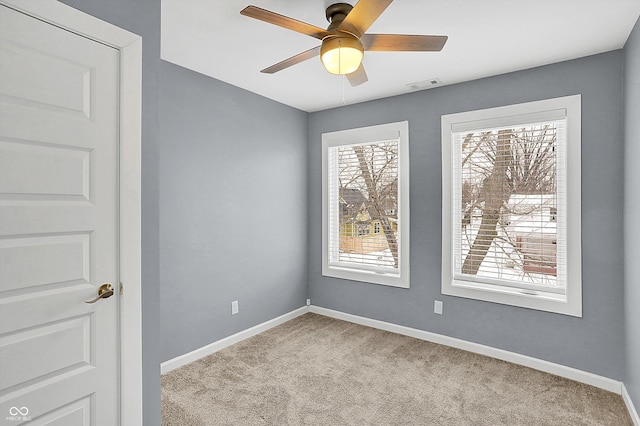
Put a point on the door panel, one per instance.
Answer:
(70, 94)
(67, 345)
(64, 172)
(75, 414)
(59, 356)
(64, 259)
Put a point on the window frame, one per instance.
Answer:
(569, 303)
(363, 135)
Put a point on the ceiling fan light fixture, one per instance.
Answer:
(341, 55)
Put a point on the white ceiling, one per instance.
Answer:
(486, 37)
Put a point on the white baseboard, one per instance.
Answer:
(527, 361)
(195, 355)
(632, 409)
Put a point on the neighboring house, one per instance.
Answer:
(360, 226)
(532, 221)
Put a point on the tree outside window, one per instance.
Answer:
(508, 188)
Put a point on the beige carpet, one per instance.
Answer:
(316, 370)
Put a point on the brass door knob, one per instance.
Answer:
(104, 291)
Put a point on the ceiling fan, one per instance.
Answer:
(344, 41)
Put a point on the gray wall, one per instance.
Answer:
(593, 343)
(632, 216)
(142, 17)
(233, 203)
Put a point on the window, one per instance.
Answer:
(363, 229)
(511, 205)
(365, 202)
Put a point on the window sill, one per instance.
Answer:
(538, 300)
(388, 279)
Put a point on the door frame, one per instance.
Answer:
(130, 129)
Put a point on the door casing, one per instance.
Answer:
(130, 125)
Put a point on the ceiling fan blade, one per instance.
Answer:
(300, 57)
(403, 42)
(357, 77)
(284, 22)
(363, 14)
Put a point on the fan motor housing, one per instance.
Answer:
(336, 13)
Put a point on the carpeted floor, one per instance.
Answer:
(316, 370)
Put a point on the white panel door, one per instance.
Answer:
(59, 356)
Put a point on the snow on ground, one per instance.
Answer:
(377, 258)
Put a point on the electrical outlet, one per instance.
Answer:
(308, 302)
(234, 307)
(437, 307)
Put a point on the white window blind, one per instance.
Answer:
(511, 205)
(363, 197)
(365, 204)
(507, 182)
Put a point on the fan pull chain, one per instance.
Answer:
(344, 96)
